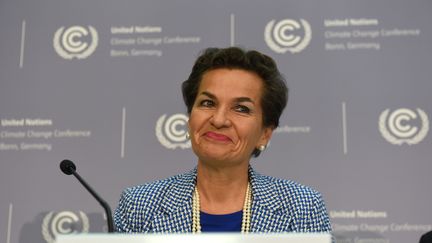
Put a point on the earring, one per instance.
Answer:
(262, 148)
(187, 135)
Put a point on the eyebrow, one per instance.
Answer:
(239, 99)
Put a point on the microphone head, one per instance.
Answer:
(68, 167)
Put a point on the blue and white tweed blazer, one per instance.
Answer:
(165, 206)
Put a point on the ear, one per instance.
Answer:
(266, 136)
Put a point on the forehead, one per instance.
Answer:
(232, 82)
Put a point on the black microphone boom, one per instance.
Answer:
(68, 167)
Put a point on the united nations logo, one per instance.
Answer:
(404, 126)
(171, 132)
(287, 35)
(75, 42)
(65, 222)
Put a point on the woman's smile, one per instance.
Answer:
(217, 137)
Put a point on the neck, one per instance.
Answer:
(222, 190)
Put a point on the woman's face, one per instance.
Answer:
(225, 123)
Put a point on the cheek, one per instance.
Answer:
(195, 122)
(191, 125)
(250, 133)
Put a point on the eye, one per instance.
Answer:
(206, 103)
(242, 109)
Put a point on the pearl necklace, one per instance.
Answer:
(196, 225)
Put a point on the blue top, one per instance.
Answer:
(221, 222)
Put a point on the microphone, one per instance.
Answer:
(69, 168)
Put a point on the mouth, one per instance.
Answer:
(217, 137)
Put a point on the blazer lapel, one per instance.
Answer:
(266, 207)
(175, 214)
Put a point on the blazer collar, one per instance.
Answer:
(264, 191)
(267, 206)
(175, 214)
(180, 193)
(176, 206)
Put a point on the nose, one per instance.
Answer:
(220, 118)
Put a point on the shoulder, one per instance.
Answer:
(294, 190)
(288, 191)
(150, 193)
(139, 204)
(302, 204)
(147, 192)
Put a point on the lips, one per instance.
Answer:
(217, 137)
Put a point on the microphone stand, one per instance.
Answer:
(102, 202)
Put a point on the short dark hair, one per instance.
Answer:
(275, 91)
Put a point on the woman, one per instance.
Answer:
(234, 99)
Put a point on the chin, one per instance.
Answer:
(211, 151)
(214, 155)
